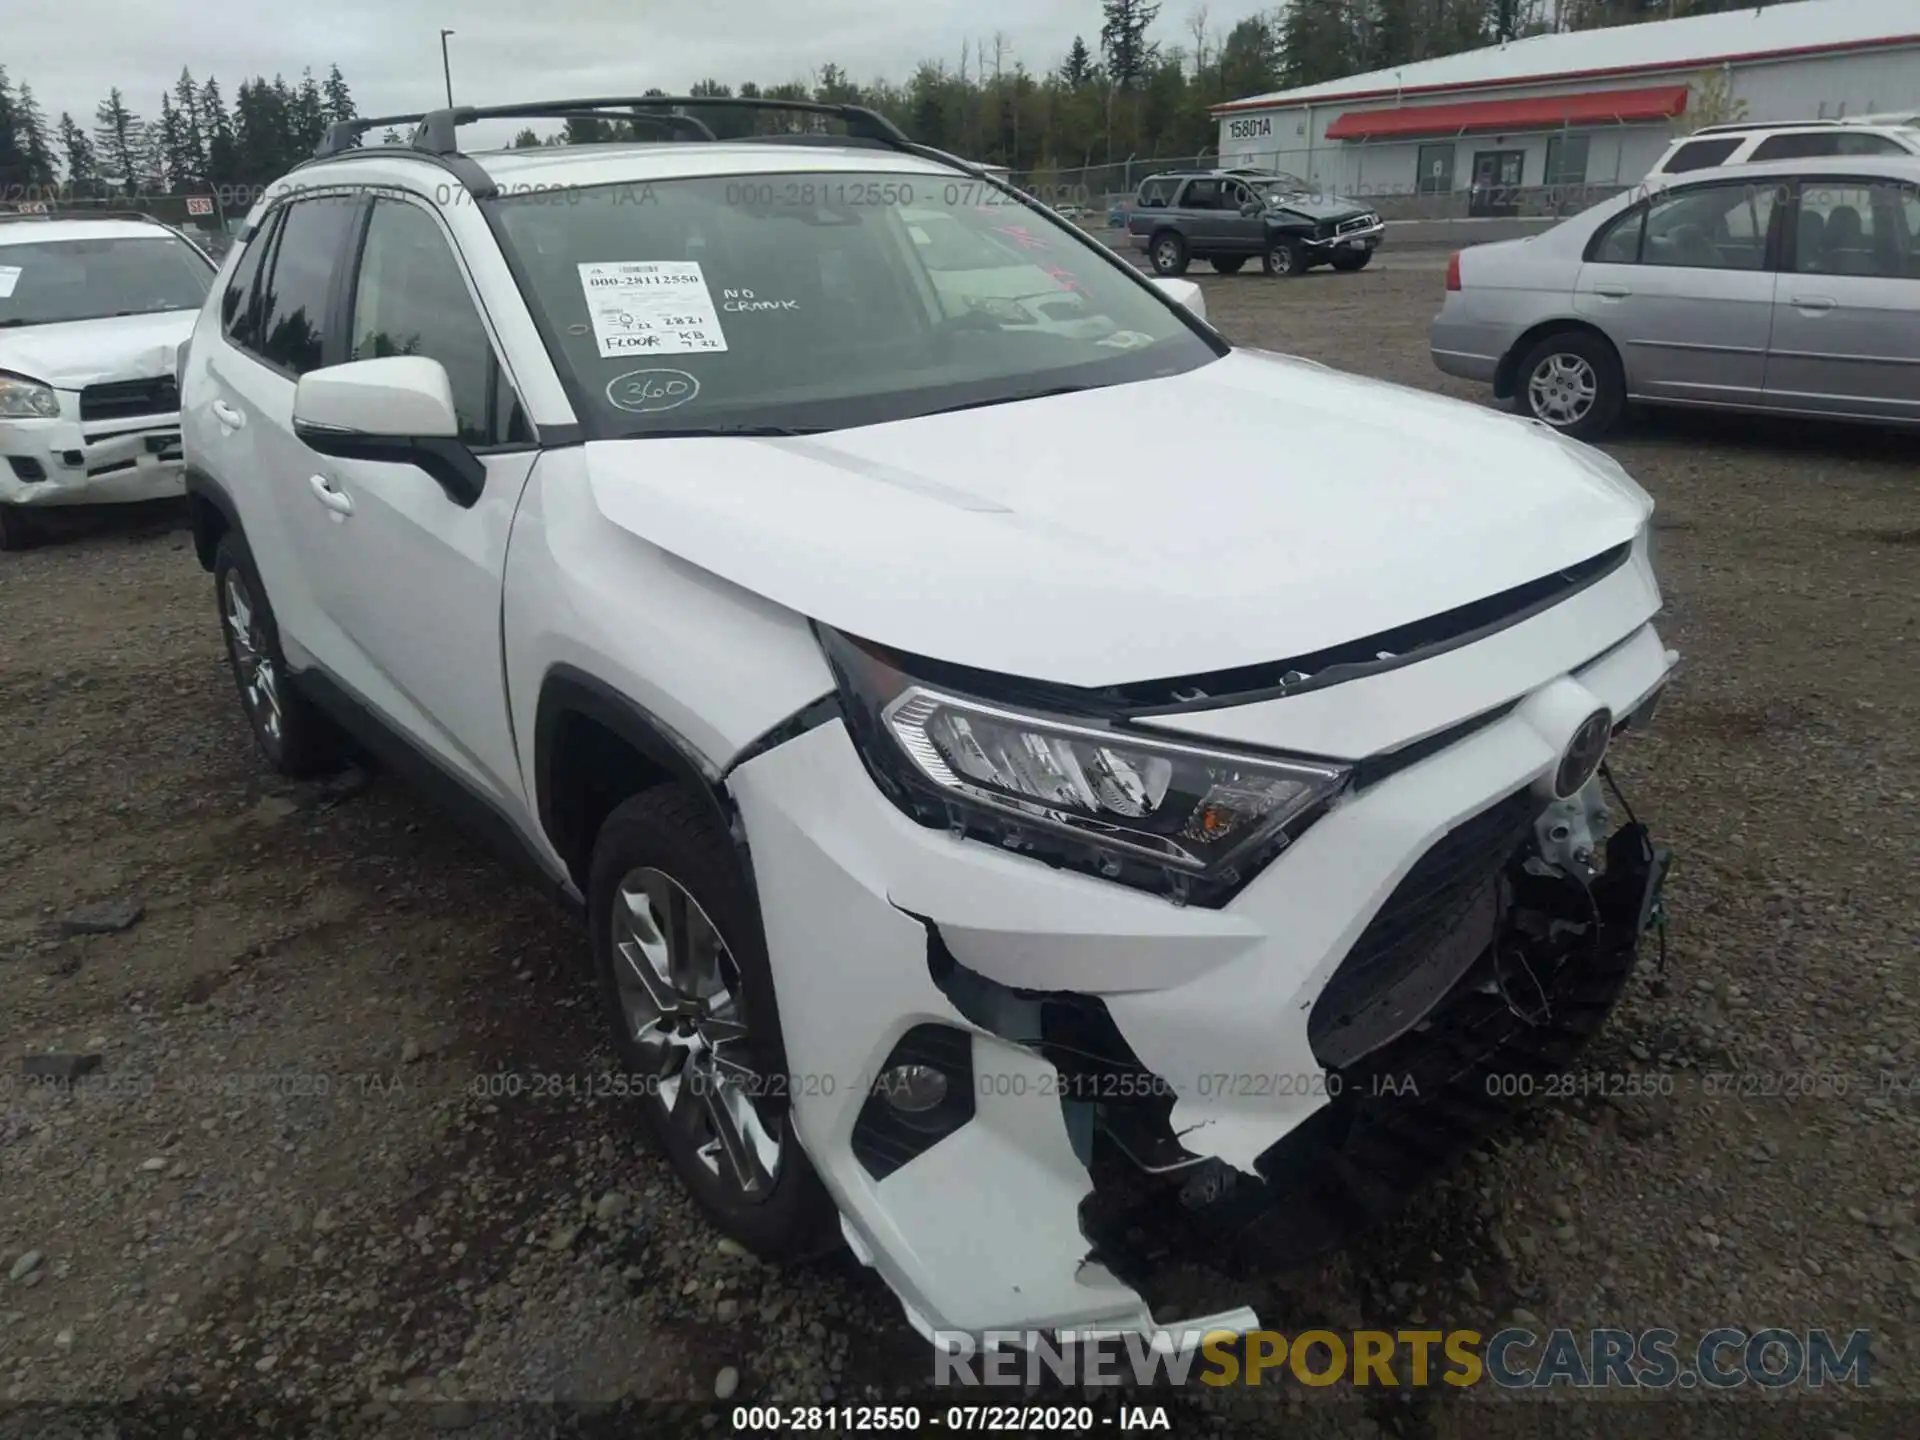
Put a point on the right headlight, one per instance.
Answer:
(24, 399)
(1192, 821)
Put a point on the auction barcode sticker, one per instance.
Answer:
(650, 307)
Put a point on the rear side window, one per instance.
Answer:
(294, 295)
(1156, 193)
(1701, 154)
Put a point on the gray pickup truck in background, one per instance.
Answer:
(1227, 217)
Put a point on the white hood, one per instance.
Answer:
(79, 353)
(1252, 510)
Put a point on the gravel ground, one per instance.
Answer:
(286, 1195)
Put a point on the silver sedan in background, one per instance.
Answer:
(1790, 287)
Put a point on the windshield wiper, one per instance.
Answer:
(1046, 394)
(738, 432)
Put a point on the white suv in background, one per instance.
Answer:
(92, 314)
(1758, 141)
(1000, 837)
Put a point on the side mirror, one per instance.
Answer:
(398, 411)
(1183, 292)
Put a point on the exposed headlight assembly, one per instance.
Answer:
(1193, 822)
(24, 399)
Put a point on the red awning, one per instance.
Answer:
(1539, 112)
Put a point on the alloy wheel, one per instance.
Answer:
(679, 990)
(1563, 389)
(252, 662)
(1166, 254)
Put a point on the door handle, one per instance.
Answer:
(1612, 292)
(227, 415)
(334, 500)
(1813, 302)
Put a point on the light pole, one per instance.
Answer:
(446, 67)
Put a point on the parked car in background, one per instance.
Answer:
(1759, 141)
(959, 783)
(1227, 217)
(1791, 286)
(93, 312)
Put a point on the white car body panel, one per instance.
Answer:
(947, 534)
(1064, 539)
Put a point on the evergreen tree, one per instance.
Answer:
(526, 140)
(30, 134)
(77, 151)
(190, 162)
(1123, 40)
(119, 141)
(13, 156)
(1077, 69)
(1250, 59)
(337, 98)
(169, 161)
(217, 126)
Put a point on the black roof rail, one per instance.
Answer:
(435, 138)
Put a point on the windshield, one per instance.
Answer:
(805, 302)
(52, 281)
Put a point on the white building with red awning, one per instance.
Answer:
(1578, 111)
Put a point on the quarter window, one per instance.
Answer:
(238, 313)
(292, 309)
(1701, 154)
(411, 299)
(1809, 144)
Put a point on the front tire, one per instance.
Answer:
(1349, 262)
(683, 971)
(1168, 254)
(1283, 260)
(1229, 264)
(1572, 381)
(294, 737)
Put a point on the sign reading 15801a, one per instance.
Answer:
(1250, 129)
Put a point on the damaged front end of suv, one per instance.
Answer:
(1270, 976)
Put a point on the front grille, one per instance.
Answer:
(1359, 222)
(122, 399)
(1436, 917)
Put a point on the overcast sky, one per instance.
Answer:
(72, 51)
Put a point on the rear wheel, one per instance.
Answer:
(18, 530)
(1229, 264)
(1168, 253)
(1572, 381)
(685, 979)
(1349, 261)
(1283, 259)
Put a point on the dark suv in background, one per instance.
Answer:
(1227, 217)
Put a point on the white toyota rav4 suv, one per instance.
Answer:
(92, 314)
(1048, 803)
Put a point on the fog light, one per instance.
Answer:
(914, 1089)
(1584, 753)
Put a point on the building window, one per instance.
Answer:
(1567, 160)
(1435, 170)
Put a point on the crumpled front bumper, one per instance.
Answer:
(64, 461)
(869, 918)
